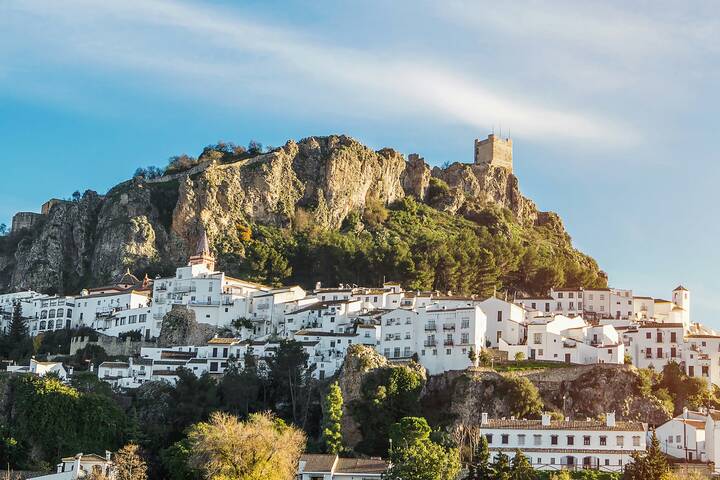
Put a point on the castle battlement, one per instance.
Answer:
(495, 151)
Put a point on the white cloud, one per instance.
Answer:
(224, 55)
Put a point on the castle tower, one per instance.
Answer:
(495, 151)
(203, 256)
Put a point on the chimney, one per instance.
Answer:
(610, 419)
(545, 419)
(484, 419)
(108, 455)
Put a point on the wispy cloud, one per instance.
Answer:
(224, 55)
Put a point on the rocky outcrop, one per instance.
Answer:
(584, 391)
(358, 362)
(152, 225)
(179, 327)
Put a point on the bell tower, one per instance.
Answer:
(203, 256)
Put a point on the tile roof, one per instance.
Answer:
(317, 463)
(661, 325)
(519, 424)
(361, 465)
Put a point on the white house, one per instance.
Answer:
(684, 436)
(566, 444)
(81, 466)
(41, 369)
(332, 467)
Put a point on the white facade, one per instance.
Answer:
(555, 445)
(41, 369)
(684, 436)
(332, 467)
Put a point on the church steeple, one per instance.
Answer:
(203, 256)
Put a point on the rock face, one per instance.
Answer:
(152, 225)
(589, 391)
(179, 327)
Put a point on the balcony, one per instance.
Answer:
(449, 327)
(430, 343)
(430, 327)
(448, 342)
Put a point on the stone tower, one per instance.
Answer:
(495, 151)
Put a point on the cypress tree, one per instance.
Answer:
(18, 325)
(332, 416)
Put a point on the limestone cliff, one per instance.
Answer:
(152, 225)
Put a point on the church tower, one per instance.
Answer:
(203, 256)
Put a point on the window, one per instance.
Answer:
(553, 439)
(648, 335)
(559, 306)
(60, 313)
(673, 337)
(489, 437)
(143, 317)
(537, 338)
(499, 316)
(396, 352)
(586, 440)
(636, 441)
(603, 440)
(521, 439)
(560, 295)
(537, 439)
(504, 438)
(464, 338)
(571, 295)
(448, 351)
(677, 439)
(570, 440)
(532, 305)
(670, 439)
(620, 441)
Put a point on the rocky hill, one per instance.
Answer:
(376, 213)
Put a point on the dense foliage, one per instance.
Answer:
(412, 242)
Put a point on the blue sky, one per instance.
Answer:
(613, 107)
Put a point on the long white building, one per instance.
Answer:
(566, 444)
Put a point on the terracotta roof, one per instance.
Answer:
(698, 424)
(318, 463)
(114, 365)
(644, 298)
(714, 414)
(361, 465)
(86, 456)
(562, 425)
(661, 325)
(222, 341)
(660, 300)
(680, 287)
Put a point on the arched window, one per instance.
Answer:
(42, 324)
(51, 324)
(52, 313)
(43, 314)
(60, 312)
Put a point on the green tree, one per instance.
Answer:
(176, 461)
(129, 464)
(332, 417)
(501, 467)
(424, 460)
(289, 377)
(521, 467)
(18, 326)
(485, 358)
(519, 356)
(472, 356)
(479, 467)
(409, 430)
(522, 396)
(263, 447)
(651, 464)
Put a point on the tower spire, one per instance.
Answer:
(203, 255)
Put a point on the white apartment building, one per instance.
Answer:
(505, 320)
(49, 313)
(95, 310)
(440, 337)
(567, 444)
(683, 437)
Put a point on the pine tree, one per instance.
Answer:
(651, 464)
(18, 325)
(521, 467)
(480, 468)
(332, 416)
(501, 467)
(129, 465)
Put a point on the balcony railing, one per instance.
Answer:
(449, 327)
(430, 343)
(448, 341)
(430, 327)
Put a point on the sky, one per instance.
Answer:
(612, 106)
